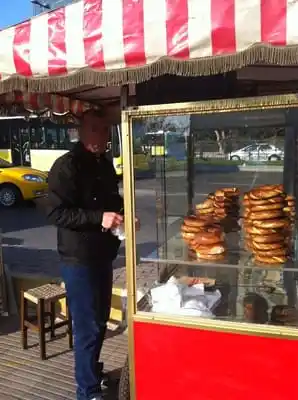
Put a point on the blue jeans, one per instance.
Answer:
(89, 294)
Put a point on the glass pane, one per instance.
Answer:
(36, 137)
(222, 210)
(254, 295)
(51, 138)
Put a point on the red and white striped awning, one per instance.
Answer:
(109, 42)
(41, 103)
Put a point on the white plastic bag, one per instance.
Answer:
(180, 299)
(119, 232)
(167, 297)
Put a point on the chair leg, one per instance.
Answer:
(52, 319)
(24, 317)
(41, 328)
(69, 327)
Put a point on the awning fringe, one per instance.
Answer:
(257, 54)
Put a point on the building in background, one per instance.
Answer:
(40, 6)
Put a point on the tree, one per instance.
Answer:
(220, 139)
(168, 123)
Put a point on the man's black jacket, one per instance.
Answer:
(81, 188)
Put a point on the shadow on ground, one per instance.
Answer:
(111, 391)
(9, 325)
(11, 241)
(15, 219)
(40, 262)
(22, 260)
(143, 249)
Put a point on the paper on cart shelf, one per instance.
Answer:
(209, 300)
(169, 293)
(174, 281)
(178, 298)
(193, 291)
(196, 307)
(186, 311)
(191, 308)
(166, 308)
(195, 312)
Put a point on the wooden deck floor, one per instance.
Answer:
(24, 376)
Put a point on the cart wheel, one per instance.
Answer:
(124, 392)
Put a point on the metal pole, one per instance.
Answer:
(289, 182)
(130, 248)
(124, 97)
(190, 168)
(3, 291)
(290, 161)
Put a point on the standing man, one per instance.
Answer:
(84, 203)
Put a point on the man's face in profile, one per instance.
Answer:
(95, 133)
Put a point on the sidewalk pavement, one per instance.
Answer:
(24, 376)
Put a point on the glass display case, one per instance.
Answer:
(224, 225)
(225, 207)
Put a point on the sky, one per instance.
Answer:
(15, 11)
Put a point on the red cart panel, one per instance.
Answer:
(174, 362)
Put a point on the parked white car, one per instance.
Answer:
(258, 152)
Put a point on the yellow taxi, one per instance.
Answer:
(21, 184)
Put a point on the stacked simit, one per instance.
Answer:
(268, 217)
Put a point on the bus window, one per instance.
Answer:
(64, 142)
(5, 144)
(51, 138)
(73, 134)
(116, 141)
(115, 147)
(25, 145)
(68, 136)
(4, 137)
(154, 139)
(36, 135)
(48, 138)
(154, 143)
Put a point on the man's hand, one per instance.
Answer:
(111, 220)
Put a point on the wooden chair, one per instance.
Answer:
(45, 298)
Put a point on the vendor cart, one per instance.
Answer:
(220, 320)
(208, 326)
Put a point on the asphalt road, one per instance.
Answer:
(176, 186)
(30, 243)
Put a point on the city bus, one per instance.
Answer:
(164, 143)
(37, 142)
(12, 131)
(148, 147)
(34, 141)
